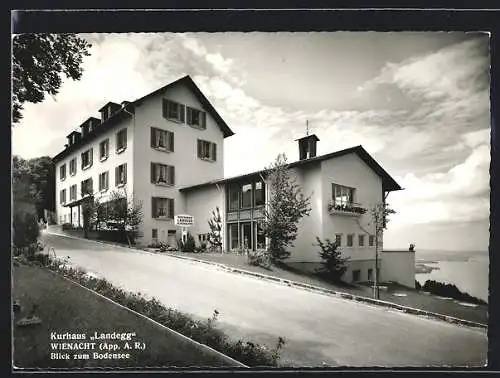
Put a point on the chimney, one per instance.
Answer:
(307, 146)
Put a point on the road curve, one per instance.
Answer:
(318, 329)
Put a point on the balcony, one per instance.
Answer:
(343, 208)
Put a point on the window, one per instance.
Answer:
(154, 234)
(202, 237)
(370, 275)
(338, 239)
(62, 196)
(87, 187)
(121, 175)
(260, 194)
(246, 195)
(72, 167)
(207, 150)
(356, 275)
(104, 181)
(173, 110)
(371, 240)
(350, 240)
(196, 118)
(162, 139)
(87, 158)
(72, 192)
(234, 191)
(62, 172)
(162, 174)
(121, 140)
(162, 207)
(104, 149)
(361, 240)
(342, 195)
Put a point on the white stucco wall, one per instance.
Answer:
(200, 203)
(309, 178)
(98, 167)
(349, 170)
(398, 266)
(189, 169)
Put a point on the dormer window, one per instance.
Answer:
(173, 111)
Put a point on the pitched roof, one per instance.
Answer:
(121, 114)
(388, 183)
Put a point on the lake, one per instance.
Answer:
(468, 270)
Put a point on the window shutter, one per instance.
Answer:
(153, 142)
(182, 110)
(124, 138)
(200, 144)
(91, 184)
(189, 114)
(90, 156)
(153, 178)
(153, 207)
(172, 174)
(125, 173)
(171, 140)
(117, 176)
(171, 208)
(203, 121)
(106, 179)
(82, 160)
(214, 151)
(165, 108)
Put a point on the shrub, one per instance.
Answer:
(189, 245)
(333, 264)
(67, 226)
(26, 230)
(450, 291)
(417, 285)
(201, 248)
(258, 258)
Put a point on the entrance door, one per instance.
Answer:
(232, 231)
(246, 235)
(172, 239)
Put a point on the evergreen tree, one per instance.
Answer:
(332, 264)
(287, 206)
(215, 224)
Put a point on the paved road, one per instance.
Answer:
(318, 328)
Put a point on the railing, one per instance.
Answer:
(349, 208)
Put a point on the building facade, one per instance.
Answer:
(166, 150)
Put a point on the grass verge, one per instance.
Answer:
(65, 307)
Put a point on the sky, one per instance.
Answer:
(417, 102)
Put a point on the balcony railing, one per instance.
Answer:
(343, 208)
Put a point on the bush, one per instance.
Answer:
(450, 291)
(333, 264)
(258, 258)
(189, 245)
(67, 226)
(26, 230)
(204, 332)
(201, 248)
(417, 285)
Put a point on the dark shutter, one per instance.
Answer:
(117, 176)
(203, 120)
(214, 152)
(91, 185)
(171, 140)
(153, 178)
(124, 137)
(189, 116)
(200, 147)
(153, 207)
(172, 174)
(82, 160)
(153, 139)
(182, 110)
(90, 156)
(106, 175)
(125, 173)
(170, 208)
(165, 108)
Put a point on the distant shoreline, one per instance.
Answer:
(422, 268)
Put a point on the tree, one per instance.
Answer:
(215, 224)
(90, 206)
(126, 213)
(38, 62)
(287, 206)
(34, 180)
(379, 214)
(333, 264)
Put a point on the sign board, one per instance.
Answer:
(183, 220)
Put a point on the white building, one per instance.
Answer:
(166, 149)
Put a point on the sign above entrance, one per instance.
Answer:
(183, 220)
